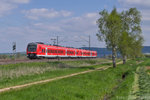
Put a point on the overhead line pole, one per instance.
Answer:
(89, 42)
(54, 41)
(57, 48)
(57, 40)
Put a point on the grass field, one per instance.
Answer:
(144, 81)
(97, 85)
(141, 89)
(110, 84)
(15, 74)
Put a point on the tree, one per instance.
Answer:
(125, 45)
(122, 32)
(131, 39)
(109, 30)
(136, 47)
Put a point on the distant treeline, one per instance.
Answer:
(101, 52)
(104, 52)
(11, 55)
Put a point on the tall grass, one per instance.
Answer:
(14, 74)
(22, 69)
(98, 85)
(144, 84)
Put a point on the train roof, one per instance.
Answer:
(57, 46)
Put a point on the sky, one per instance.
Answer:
(25, 21)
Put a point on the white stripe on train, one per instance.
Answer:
(61, 56)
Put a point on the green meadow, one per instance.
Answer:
(21, 73)
(110, 84)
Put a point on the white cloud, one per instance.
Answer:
(19, 1)
(145, 15)
(73, 28)
(7, 5)
(65, 13)
(143, 6)
(36, 14)
(92, 15)
(146, 28)
(69, 29)
(136, 2)
(85, 24)
(5, 8)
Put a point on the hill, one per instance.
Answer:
(101, 52)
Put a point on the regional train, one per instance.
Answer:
(40, 50)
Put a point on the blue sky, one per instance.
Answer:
(25, 21)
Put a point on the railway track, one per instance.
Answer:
(5, 62)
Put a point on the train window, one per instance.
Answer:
(32, 48)
(60, 51)
(48, 51)
(69, 52)
(54, 51)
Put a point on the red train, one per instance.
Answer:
(41, 50)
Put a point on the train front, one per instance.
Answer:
(32, 50)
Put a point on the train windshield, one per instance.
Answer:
(32, 48)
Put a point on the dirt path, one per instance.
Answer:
(53, 79)
(135, 86)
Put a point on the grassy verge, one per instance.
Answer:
(140, 89)
(122, 90)
(16, 74)
(107, 84)
(144, 84)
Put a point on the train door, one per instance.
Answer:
(46, 51)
